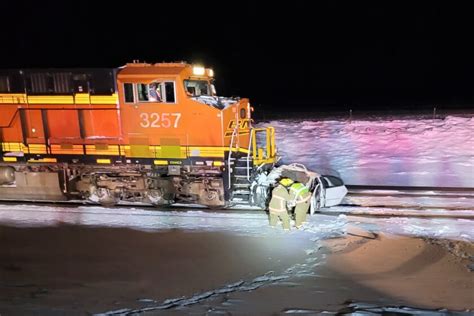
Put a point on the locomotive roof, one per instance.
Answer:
(57, 80)
(99, 80)
(153, 69)
(165, 68)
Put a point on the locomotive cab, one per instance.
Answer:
(173, 115)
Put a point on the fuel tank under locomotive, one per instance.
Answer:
(7, 175)
(112, 184)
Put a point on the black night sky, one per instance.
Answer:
(310, 56)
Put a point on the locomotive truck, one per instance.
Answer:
(152, 133)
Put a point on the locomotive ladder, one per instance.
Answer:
(241, 167)
(239, 171)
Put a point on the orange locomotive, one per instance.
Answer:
(154, 133)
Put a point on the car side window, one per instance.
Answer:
(333, 181)
(324, 182)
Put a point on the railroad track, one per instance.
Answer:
(421, 191)
(351, 205)
(410, 197)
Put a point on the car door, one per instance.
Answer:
(315, 197)
(334, 191)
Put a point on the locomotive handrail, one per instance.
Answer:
(267, 154)
(248, 153)
(230, 154)
(272, 144)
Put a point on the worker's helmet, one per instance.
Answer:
(286, 182)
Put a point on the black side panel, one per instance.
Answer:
(102, 81)
(99, 81)
(80, 82)
(39, 83)
(62, 83)
(11, 81)
(4, 84)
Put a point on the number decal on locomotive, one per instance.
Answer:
(154, 120)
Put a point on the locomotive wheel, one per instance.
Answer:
(155, 197)
(106, 197)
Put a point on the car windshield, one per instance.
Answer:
(197, 87)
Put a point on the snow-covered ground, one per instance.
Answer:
(243, 294)
(382, 151)
(250, 223)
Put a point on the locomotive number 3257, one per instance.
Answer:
(159, 120)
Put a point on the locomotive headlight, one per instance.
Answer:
(210, 73)
(198, 70)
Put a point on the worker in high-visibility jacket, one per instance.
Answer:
(300, 198)
(278, 204)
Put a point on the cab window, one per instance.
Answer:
(169, 92)
(128, 91)
(197, 88)
(156, 92)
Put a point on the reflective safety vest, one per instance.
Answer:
(299, 193)
(280, 196)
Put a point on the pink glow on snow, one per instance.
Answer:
(413, 152)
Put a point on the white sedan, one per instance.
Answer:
(327, 190)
